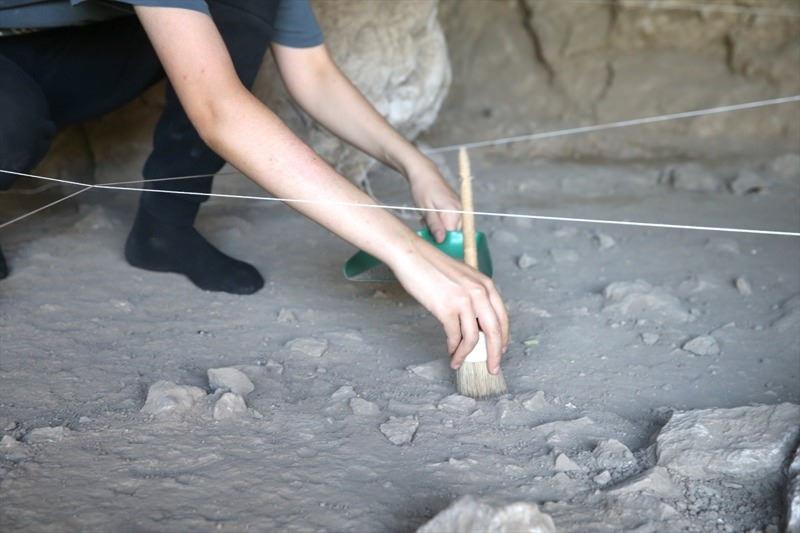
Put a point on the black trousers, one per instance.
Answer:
(59, 77)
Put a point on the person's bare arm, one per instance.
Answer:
(318, 85)
(246, 133)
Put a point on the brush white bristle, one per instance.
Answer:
(473, 378)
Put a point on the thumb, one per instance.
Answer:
(436, 227)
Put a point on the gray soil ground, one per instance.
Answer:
(83, 335)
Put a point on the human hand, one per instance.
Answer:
(431, 191)
(460, 297)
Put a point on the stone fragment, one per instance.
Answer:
(563, 463)
(400, 430)
(602, 478)
(789, 320)
(603, 241)
(229, 378)
(655, 480)
(612, 454)
(165, 398)
(793, 495)
(230, 405)
(693, 177)
(13, 450)
(502, 236)
(436, 370)
(363, 407)
(456, 403)
(564, 255)
(469, 515)
(650, 338)
(743, 286)
(786, 166)
(638, 299)
(702, 345)
(536, 402)
(342, 393)
(308, 346)
(741, 442)
(47, 434)
(286, 316)
(526, 261)
(748, 182)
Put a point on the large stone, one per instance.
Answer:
(167, 398)
(400, 430)
(469, 515)
(229, 406)
(742, 442)
(394, 52)
(793, 495)
(229, 378)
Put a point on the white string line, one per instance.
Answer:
(26, 215)
(613, 125)
(418, 209)
(678, 5)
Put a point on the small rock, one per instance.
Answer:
(748, 182)
(229, 378)
(656, 481)
(650, 338)
(566, 232)
(526, 261)
(286, 316)
(602, 478)
(165, 397)
(273, 367)
(786, 166)
(13, 450)
(469, 515)
(230, 405)
(741, 442)
(693, 177)
(535, 402)
(457, 404)
(400, 430)
(563, 463)
(603, 241)
(502, 236)
(612, 454)
(47, 434)
(436, 370)
(308, 346)
(342, 393)
(728, 246)
(638, 299)
(743, 286)
(564, 255)
(702, 345)
(362, 407)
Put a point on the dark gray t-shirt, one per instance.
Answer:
(295, 24)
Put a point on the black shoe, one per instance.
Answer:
(156, 245)
(3, 266)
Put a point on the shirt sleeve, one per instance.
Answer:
(194, 5)
(296, 25)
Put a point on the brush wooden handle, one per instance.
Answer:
(467, 205)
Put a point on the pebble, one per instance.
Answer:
(566, 232)
(650, 338)
(526, 261)
(308, 346)
(230, 405)
(563, 463)
(603, 241)
(535, 402)
(748, 182)
(165, 397)
(612, 454)
(458, 404)
(602, 478)
(743, 286)
(436, 370)
(13, 450)
(363, 407)
(400, 430)
(342, 393)
(229, 378)
(702, 345)
(693, 177)
(564, 255)
(286, 316)
(47, 434)
(655, 480)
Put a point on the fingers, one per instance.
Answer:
(469, 337)
(501, 311)
(436, 226)
(452, 328)
(494, 341)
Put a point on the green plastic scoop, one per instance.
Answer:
(364, 267)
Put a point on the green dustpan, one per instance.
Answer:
(364, 267)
